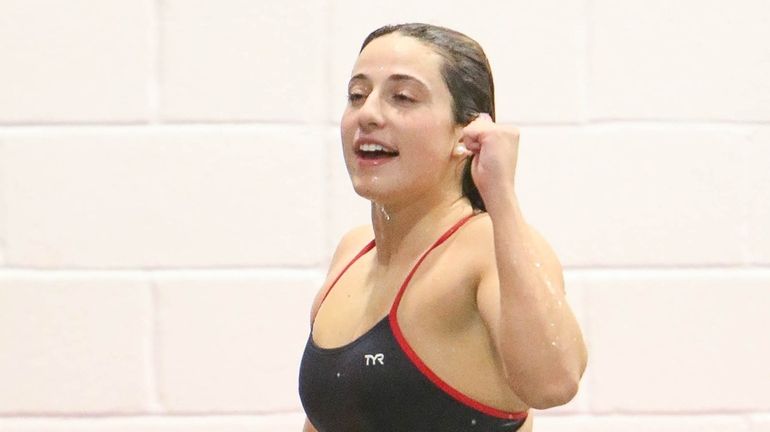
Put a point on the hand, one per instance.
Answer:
(495, 150)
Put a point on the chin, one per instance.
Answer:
(368, 192)
(373, 192)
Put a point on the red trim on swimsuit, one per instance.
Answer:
(404, 344)
(417, 361)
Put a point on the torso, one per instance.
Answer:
(438, 313)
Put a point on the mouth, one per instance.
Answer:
(374, 151)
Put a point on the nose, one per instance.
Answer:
(370, 115)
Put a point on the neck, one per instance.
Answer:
(402, 232)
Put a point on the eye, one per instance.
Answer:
(355, 97)
(402, 97)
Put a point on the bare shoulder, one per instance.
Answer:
(476, 241)
(349, 245)
(347, 248)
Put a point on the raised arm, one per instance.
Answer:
(521, 295)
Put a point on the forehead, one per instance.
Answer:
(398, 54)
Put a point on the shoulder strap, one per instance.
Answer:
(436, 244)
(363, 252)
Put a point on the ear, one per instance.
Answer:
(461, 151)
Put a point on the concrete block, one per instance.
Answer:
(685, 60)
(635, 196)
(73, 344)
(679, 341)
(165, 197)
(76, 61)
(232, 343)
(760, 423)
(240, 60)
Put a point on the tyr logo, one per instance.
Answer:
(372, 359)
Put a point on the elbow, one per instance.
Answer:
(554, 393)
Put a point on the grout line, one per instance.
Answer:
(647, 123)
(207, 416)
(587, 57)
(155, 64)
(3, 207)
(153, 384)
(326, 115)
(311, 272)
(740, 267)
(106, 416)
(745, 229)
(289, 272)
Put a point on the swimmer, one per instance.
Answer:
(448, 312)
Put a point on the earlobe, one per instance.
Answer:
(460, 150)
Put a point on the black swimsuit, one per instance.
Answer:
(377, 383)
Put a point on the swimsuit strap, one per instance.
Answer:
(420, 364)
(363, 252)
(371, 245)
(438, 242)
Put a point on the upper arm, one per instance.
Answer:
(488, 292)
(350, 244)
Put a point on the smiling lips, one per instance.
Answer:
(372, 150)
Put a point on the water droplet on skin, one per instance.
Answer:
(553, 343)
(384, 213)
(538, 265)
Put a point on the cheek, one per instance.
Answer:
(347, 127)
(434, 137)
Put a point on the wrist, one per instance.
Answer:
(502, 202)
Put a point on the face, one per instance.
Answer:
(398, 132)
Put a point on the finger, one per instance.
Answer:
(472, 138)
(485, 117)
(475, 132)
(473, 147)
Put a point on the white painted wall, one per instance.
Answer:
(171, 189)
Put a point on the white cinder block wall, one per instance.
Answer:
(171, 189)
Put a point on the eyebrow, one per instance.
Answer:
(394, 77)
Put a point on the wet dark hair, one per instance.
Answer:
(467, 74)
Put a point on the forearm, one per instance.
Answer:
(539, 338)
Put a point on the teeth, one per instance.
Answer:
(374, 148)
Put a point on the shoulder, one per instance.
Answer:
(349, 245)
(475, 240)
(478, 238)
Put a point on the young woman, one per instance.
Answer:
(448, 313)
